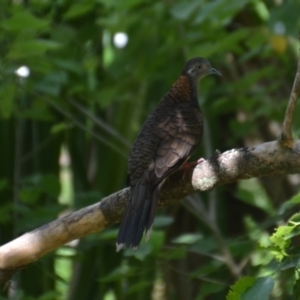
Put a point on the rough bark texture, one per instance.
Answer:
(262, 160)
(286, 135)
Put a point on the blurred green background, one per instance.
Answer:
(78, 79)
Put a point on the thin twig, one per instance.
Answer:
(101, 123)
(227, 258)
(77, 123)
(286, 138)
(83, 127)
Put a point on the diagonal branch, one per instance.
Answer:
(106, 127)
(223, 168)
(286, 138)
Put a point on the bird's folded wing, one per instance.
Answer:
(177, 142)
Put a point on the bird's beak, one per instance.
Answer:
(214, 71)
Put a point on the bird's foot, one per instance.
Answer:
(189, 165)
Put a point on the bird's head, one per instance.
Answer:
(197, 68)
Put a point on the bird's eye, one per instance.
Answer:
(199, 67)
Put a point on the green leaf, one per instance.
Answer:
(162, 221)
(294, 220)
(141, 253)
(157, 239)
(5, 212)
(49, 296)
(282, 236)
(240, 287)
(35, 186)
(179, 252)
(59, 127)
(30, 195)
(3, 184)
(121, 272)
(127, 4)
(50, 185)
(105, 97)
(183, 11)
(279, 240)
(30, 48)
(138, 286)
(21, 20)
(290, 203)
(291, 262)
(52, 83)
(153, 246)
(222, 8)
(250, 190)
(108, 234)
(289, 13)
(296, 290)
(78, 9)
(209, 289)
(207, 268)
(39, 110)
(230, 42)
(189, 238)
(260, 290)
(7, 94)
(68, 64)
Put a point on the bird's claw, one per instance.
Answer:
(188, 165)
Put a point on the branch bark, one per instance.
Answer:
(286, 138)
(222, 168)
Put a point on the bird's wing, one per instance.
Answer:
(179, 137)
(164, 144)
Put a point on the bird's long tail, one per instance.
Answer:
(138, 217)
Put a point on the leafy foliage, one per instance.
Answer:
(67, 128)
(240, 287)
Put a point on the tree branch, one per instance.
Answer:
(286, 138)
(222, 168)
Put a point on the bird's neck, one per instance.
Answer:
(184, 89)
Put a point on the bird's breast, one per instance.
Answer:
(181, 89)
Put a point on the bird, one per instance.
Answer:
(168, 138)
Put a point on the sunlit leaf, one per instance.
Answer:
(188, 238)
(279, 240)
(240, 287)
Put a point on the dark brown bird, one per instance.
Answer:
(167, 139)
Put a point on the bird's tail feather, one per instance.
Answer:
(152, 210)
(136, 217)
